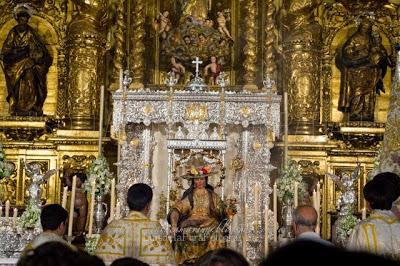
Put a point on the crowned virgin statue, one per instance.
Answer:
(198, 218)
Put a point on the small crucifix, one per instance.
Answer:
(197, 62)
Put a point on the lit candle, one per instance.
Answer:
(296, 196)
(364, 214)
(64, 197)
(71, 207)
(101, 117)
(91, 210)
(1, 210)
(275, 214)
(15, 214)
(266, 229)
(7, 209)
(112, 201)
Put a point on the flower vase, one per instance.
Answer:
(100, 213)
(286, 230)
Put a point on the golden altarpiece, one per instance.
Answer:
(300, 45)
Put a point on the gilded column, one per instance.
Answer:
(85, 50)
(250, 48)
(137, 49)
(116, 40)
(269, 42)
(301, 49)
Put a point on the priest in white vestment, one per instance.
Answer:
(136, 235)
(380, 233)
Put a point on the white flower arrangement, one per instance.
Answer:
(31, 216)
(91, 243)
(286, 183)
(344, 226)
(99, 172)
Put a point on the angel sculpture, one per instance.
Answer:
(346, 219)
(37, 178)
(346, 185)
(162, 24)
(222, 20)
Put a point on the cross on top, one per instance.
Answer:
(197, 62)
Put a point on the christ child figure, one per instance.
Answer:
(212, 70)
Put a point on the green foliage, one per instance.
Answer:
(286, 183)
(99, 172)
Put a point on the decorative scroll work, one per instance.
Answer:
(240, 108)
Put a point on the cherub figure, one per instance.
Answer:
(162, 24)
(346, 185)
(212, 70)
(177, 69)
(37, 178)
(221, 21)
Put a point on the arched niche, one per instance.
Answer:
(50, 37)
(382, 101)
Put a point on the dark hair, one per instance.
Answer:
(380, 194)
(139, 195)
(222, 257)
(128, 262)
(86, 259)
(189, 192)
(49, 254)
(393, 179)
(306, 252)
(52, 216)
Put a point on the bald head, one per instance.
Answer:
(304, 219)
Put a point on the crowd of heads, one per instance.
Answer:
(380, 193)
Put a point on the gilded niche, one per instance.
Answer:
(363, 63)
(26, 62)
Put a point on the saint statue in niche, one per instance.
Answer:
(26, 62)
(363, 63)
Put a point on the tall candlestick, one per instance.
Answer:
(1, 210)
(15, 214)
(266, 230)
(91, 211)
(121, 79)
(314, 199)
(7, 209)
(286, 113)
(364, 214)
(101, 117)
(296, 195)
(71, 207)
(112, 201)
(64, 197)
(318, 207)
(275, 214)
(118, 210)
(244, 235)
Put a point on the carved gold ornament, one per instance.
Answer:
(196, 111)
